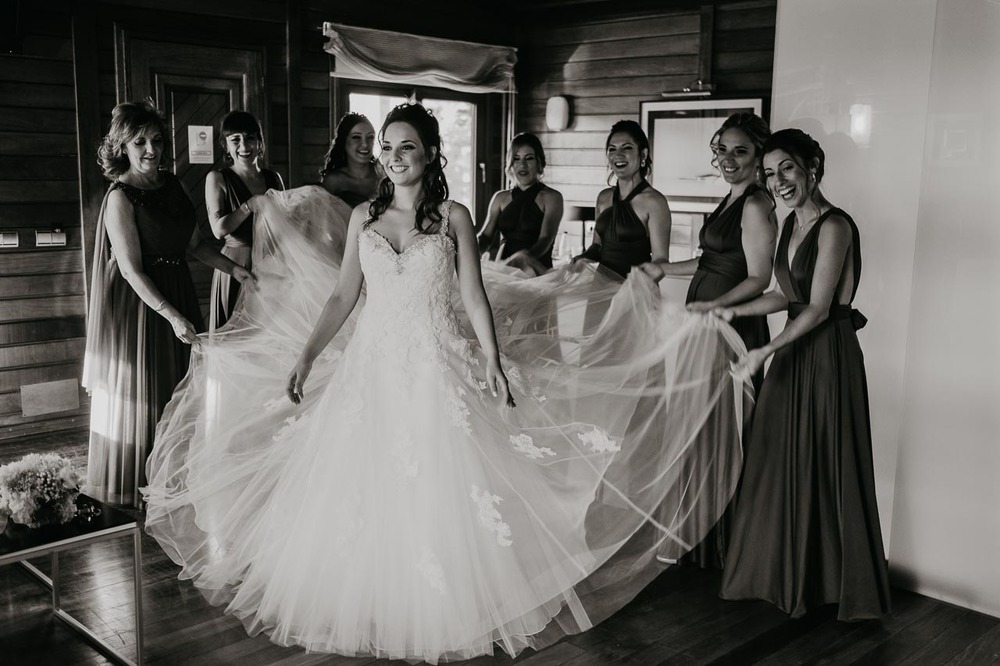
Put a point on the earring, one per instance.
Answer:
(642, 163)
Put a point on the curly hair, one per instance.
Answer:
(129, 120)
(634, 130)
(435, 185)
(336, 157)
(802, 148)
(239, 122)
(526, 140)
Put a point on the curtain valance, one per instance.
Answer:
(395, 57)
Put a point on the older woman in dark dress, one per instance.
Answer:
(143, 313)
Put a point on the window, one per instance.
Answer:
(459, 116)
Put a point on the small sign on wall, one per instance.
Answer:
(200, 144)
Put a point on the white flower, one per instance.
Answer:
(525, 444)
(490, 516)
(598, 441)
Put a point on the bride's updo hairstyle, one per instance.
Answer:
(129, 120)
(804, 150)
(435, 184)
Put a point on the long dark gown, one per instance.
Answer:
(133, 359)
(239, 245)
(806, 531)
(721, 267)
(519, 225)
(624, 238)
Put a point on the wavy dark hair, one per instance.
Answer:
(755, 128)
(526, 140)
(239, 122)
(634, 130)
(336, 157)
(801, 147)
(435, 185)
(129, 120)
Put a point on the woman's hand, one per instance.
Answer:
(653, 270)
(183, 329)
(496, 381)
(523, 261)
(747, 366)
(246, 279)
(704, 306)
(296, 378)
(725, 314)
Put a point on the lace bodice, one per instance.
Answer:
(409, 291)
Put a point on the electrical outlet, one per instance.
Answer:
(50, 238)
(9, 239)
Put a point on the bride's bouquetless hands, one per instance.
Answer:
(296, 378)
(496, 380)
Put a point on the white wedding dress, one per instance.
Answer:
(399, 511)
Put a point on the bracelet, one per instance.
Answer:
(246, 208)
(160, 305)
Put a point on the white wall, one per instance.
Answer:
(930, 234)
(946, 524)
(832, 56)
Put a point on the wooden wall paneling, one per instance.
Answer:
(92, 186)
(293, 46)
(609, 65)
(41, 329)
(13, 379)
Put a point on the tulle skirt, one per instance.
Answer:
(399, 511)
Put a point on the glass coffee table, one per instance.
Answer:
(19, 543)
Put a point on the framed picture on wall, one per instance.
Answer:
(679, 136)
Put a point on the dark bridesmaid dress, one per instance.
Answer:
(133, 359)
(239, 245)
(721, 266)
(624, 238)
(520, 223)
(806, 530)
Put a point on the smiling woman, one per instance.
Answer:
(143, 311)
(349, 167)
(231, 195)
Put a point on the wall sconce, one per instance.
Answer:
(697, 89)
(557, 113)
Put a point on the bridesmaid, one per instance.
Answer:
(737, 243)
(526, 216)
(231, 198)
(349, 166)
(633, 219)
(806, 530)
(143, 313)
(737, 239)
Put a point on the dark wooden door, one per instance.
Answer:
(192, 84)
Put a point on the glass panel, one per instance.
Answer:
(458, 134)
(376, 107)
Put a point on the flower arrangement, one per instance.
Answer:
(38, 489)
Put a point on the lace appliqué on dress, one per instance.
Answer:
(430, 567)
(402, 454)
(525, 444)
(490, 516)
(598, 441)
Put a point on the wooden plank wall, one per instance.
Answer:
(41, 289)
(608, 66)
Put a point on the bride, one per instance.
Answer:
(399, 504)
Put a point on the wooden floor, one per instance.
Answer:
(676, 620)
